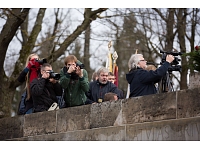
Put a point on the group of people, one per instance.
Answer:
(43, 90)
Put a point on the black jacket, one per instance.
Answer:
(142, 81)
(44, 93)
(98, 90)
(21, 78)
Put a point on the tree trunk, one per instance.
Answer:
(15, 19)
(181, 29)
(86, 56)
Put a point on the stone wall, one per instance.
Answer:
(165, 116)
(194, 80)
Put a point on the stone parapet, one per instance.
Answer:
(168, 130)
(116, 119)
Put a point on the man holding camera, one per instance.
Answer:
(45, 89)
(74, 81)
(142, 82)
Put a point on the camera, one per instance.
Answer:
(54, 75)
(174, 64)
(41, 62)
(80, 65)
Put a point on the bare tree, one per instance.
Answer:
(15, 18)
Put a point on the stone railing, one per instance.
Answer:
(194, 80)
(165, 116)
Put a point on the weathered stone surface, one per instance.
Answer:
(188, 103)
(73, 118)
(166, 130)
(11, 127)
(104, 114)
(171, 130)
(149, 108)
(194, 80)
(165, 116)
(100, 134)
(40, 123)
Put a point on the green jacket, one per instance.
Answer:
(74, 89)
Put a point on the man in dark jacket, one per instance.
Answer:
(100, 87)
(142, 82)
(45, 89)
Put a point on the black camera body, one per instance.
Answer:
(174, 64)
(41, 62)
(54, 75)
(80, 65)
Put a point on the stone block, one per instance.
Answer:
(188, 103)
(149, 108)
(105, 114)
(73, 118)
(100, 134)
(170, 130)
(40, 123)
(194, 80)
(11, 127)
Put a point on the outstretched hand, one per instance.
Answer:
(169, 58)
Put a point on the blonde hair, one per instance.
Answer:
(27, 87)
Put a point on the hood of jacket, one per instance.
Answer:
(131, 74)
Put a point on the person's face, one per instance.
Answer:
(142, 62)
(103, 77)
(111, 79)
(46, 70)
(71, 63)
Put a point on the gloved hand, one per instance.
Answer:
(65, 70)
(33, 64)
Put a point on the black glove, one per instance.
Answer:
(65, 69)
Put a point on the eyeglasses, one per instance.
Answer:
(48, 71)
(143, 60)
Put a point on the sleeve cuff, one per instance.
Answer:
(26, 70)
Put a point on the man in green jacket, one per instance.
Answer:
(74, 81)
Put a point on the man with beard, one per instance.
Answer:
(101, 86)
(74, 81)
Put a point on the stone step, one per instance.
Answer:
(169, 130)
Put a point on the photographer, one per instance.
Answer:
(142, 82)
(28, 74)
(74, 81)
(45, 89)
